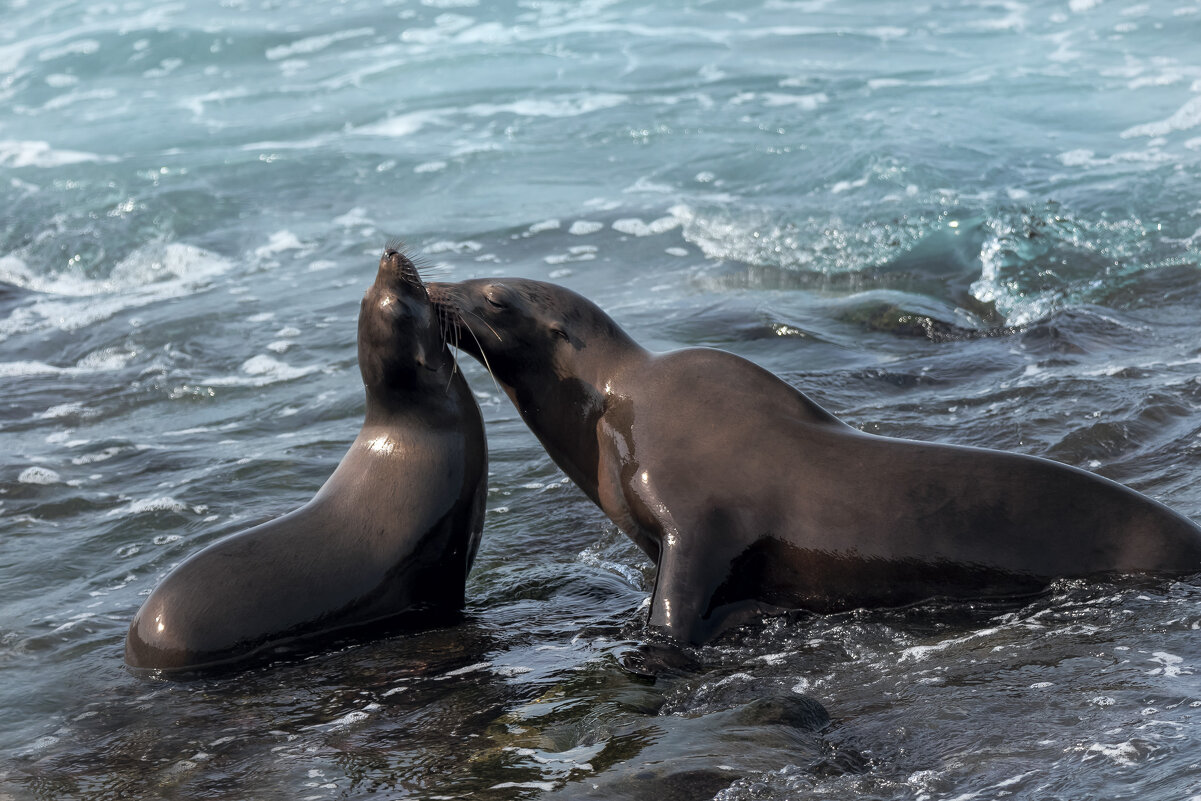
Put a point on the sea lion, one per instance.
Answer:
(388, 538)
(752, 498)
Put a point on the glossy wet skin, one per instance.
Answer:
(751, 498)
(390, 536)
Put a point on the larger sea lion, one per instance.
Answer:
(751, 497)
(388, 538)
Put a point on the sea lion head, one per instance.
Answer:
(520, 327)
(401, 350)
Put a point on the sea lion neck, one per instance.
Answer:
(429, 395)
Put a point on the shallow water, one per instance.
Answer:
(976, 223)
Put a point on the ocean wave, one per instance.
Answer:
(1185, 118)
(69, 301)
(163, 503)
(17, 154)
(314, 44)
(259, 371)
(96, 362)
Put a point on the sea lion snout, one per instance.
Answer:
(399, 268)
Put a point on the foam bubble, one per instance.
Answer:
(447, 246)
(162, 503)
(545, 225)
(39, 475)
(804, 102)
(63, 410)
(584, 227)
(101, 456)
(577, 253)
(350, 718)
(636, 227)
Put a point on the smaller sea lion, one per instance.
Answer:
(388, 538)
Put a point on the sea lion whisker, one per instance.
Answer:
(444, 326)
(482, 320)
(483, 356)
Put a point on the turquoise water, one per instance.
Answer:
(972, 222)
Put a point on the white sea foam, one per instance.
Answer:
(569, 106)
(80, 47)
(18, 153)
(401, 125)
(449, 246)
(39, 475)
(23, 368)
(445, 26)
(577, 253)
(66, 99)
(473, 668)
(803, 102)
(142, 505)
(197, 104)
(1124, 754)
(314, 44)
(636, 227)
(279, 242)
(64, 410)
(356, 216)
(100, 456)
(349, 719)
(151, 274)
(99, 361)
(920, 652)
(407, 124)
(545, 225)
(1186, 117)
(259, 371)
(150, 264)
(1171, 666)
(584, 227)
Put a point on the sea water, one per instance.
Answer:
(967, 222)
